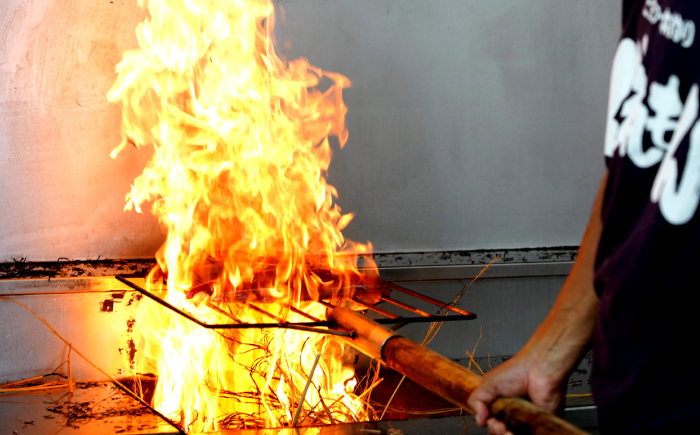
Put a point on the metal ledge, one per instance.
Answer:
(512, 270)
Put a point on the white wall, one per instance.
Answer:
(473, 124)
(60, 193)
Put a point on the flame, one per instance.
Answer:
(237, 179)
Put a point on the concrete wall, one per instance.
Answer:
(472, 124)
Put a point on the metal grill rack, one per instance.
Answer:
(446, 312)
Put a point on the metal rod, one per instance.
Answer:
(326, 304)
(409, 320)
(303, 393)
(376, 309)
(427, 299)
(222, 312)
(405, 306)
(160, 301)
(261, 311)
(302, 313)
(316, 330)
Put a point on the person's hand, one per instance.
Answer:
(521, 376)
(539, 370)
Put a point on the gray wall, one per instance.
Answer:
(472, 124)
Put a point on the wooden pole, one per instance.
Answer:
(443, 377)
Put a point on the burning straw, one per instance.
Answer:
(242, 145)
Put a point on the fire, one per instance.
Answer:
(237, 179)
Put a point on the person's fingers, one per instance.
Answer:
(506, 380)
(481, 412)
(480, 400)
(497, 427)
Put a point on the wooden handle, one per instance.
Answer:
(443, 377)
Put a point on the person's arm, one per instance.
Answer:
(540, 369)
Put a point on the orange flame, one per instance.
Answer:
(241, 141)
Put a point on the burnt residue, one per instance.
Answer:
(131, 346)
(107, 306)
(86, 385)
(77, 412)
(135, 297)
(481, 256)
(72, 411)
(20, 268)
(130, 325)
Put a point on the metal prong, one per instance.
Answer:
(405, 306)
(270, 315)
(326, 304)
(384, 313)
(222, 312)
(427, 299)
(302, 313)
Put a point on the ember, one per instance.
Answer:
(241, 149)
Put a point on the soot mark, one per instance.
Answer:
(130, 325)
(135, 297)
(132, 352)
(107, 306)
(64, 267)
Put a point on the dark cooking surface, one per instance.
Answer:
(95, 408)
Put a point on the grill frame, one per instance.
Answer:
(318, 326)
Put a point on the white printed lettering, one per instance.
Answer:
(628, 90)
(671, 25)
(666, 104)
(637, 107)
(678, 200)
(652, 11)
(688, 34)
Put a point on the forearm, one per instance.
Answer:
(567, 329)
(540, 368)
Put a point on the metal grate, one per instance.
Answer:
(382, 288)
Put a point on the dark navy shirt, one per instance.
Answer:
(645, 376)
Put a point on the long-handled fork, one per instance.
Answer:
(443, 377)
(423, 366)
